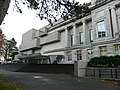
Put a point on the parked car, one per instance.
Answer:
(3, 62)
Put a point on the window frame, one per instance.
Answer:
(101, 29)
(79, 54)
(69, 56)
(91, 35)
(71, 40)
(90, 55)
(80, 37)
(103, 50)
(117, 49)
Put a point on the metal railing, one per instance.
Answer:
(104, 72)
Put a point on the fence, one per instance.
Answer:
(103, 72)
(49, 68)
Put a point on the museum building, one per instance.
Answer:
(94, 35)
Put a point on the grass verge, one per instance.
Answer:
(7, 85)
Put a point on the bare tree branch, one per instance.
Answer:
(52, 9)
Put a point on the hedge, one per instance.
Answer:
(105, 61)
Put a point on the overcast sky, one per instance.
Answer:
(15, 24)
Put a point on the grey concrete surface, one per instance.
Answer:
(40, 81)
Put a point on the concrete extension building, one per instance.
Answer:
(94, 35)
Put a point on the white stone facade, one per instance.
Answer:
(93, 35)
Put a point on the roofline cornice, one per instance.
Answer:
(100, 4)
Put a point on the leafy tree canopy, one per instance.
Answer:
(52, 9)
(9, 48)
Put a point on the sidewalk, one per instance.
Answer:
(40, 81)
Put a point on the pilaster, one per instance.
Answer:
(66, 37)
(114, 20)
(74, 35)
(84, 31)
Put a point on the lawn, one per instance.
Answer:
(7, 85)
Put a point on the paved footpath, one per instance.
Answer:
(40, 81)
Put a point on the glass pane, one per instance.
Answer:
(79, 55)
(71, 40)
(69, 56)
(81, 37)
(103, 51)
(101, 26)
(117, 49)
(91, 35)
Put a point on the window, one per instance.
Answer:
(103, 51)
(91, 35)
(33, 51)
(117, 49)
(69, 56)
(79, 55)
(56, 58)
(101, 29)
(81, 37)
(89, 54)
(71, 39)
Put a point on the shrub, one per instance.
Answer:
(105, 61)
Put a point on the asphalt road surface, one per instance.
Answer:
(40, 81)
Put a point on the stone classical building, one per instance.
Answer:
(94, 35)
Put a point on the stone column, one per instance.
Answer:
(84, 32)
(66, 37)
(109, 24)
(114, 20)
(94, 26)
(74, 35)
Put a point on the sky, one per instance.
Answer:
(16, 24)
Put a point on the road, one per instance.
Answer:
(40, 81)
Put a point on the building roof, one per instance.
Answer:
(33, 56)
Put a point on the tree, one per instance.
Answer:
(10, 49)
(52, 9)
(12, 52)
(2, 42)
